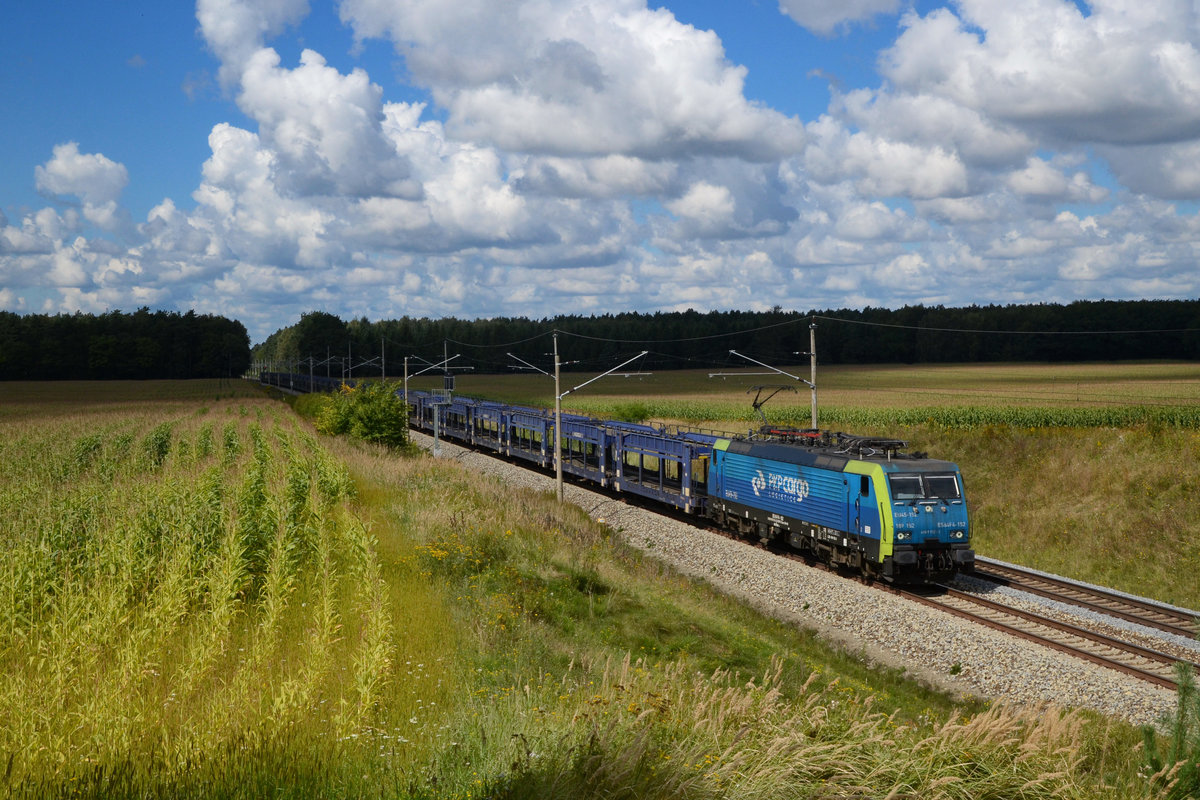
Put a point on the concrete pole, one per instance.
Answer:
(558, 470)
(812, 356)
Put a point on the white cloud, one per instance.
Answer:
(325, 128)
(883, 167)
(932, 120)
(237, 29)
(824, 17)
(556, 77)
(1125, 73)
(95, 179)
(907, 273)
(67, 265)
(866, 221)
(1040, 179)
(707, 205)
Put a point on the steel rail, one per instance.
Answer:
(1183, 624)
(1074, 630)
(1013, 630)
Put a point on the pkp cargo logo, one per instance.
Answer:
(785, 487)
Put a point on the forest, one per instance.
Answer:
(142, 345)
(159, 344)
(1081, 331)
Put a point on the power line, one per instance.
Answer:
(710, 337)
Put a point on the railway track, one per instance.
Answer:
(1126, 657)
(1130, 658)
(1114, 604)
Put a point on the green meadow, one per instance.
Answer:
(202, 597)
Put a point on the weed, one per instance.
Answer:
(1175, 767)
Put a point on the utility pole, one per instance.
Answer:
(558, 396)
(558, 479)
(812, 360)
(383, 358)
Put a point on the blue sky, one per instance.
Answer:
(384, 158)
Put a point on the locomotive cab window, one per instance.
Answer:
(906, 487)
(928, 488)
(942, 487)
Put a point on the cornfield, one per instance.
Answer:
(176, 584)
(865, 418)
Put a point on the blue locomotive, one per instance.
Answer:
(856, 502)
(859, 503)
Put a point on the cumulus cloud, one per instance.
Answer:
(556, 77)
(824, 17)
(236, 29)
(883, 166)
(1126, 73)
(95, 179)
(325, 128)
(978, 140)
(707, 205)
(1040, 179)
(92, 177)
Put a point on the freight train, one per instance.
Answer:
(854, 502)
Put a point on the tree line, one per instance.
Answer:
(1081, 331)
(141, 345)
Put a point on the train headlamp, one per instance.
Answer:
(957, 535)
(903, 536)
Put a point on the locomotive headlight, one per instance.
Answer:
(957, 535)
(902, 536)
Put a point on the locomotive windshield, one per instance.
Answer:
(924, 487)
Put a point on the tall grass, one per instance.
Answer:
(1176, 763)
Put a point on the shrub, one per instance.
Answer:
(333, 418)
(310, 405)
(371, 412)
